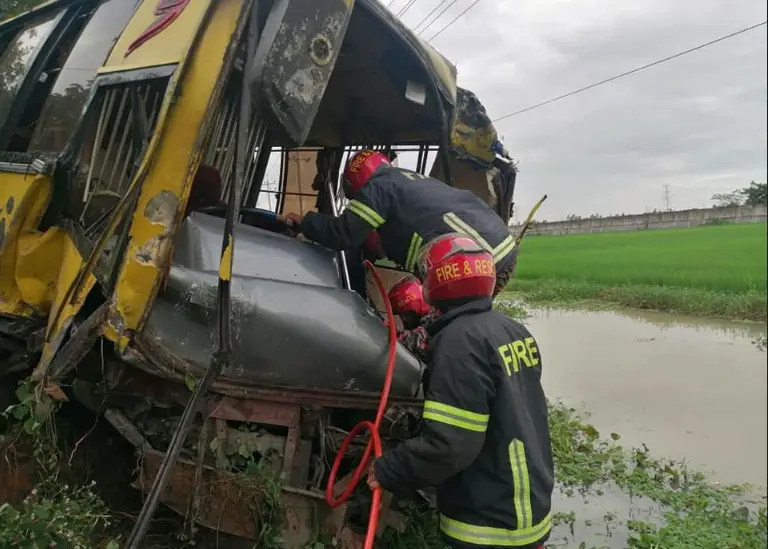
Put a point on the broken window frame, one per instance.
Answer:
(106, 22)
(69, 167)
(32, 71)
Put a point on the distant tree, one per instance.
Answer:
(726, 200)
(755, 194)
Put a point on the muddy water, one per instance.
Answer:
(690, 389)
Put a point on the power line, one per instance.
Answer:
(633, 71)
(453, 21)
(439, 15)
(440, 5)
(408, 6)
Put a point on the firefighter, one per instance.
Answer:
(407, 300)
(407, 210)
(485, 443)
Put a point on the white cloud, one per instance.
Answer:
(697, 123)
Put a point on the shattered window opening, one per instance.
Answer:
(109, 157)
(18, 57)
(220, 152)
(62, 110)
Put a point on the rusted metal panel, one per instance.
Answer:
(223, 497)
(227, 502)
(162, 391)
(255, 411)
(151, 357)
(295, 59)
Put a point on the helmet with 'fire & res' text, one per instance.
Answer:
(454, 270)
(407, 297)
(360, 169)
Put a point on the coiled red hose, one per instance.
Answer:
(375, 441)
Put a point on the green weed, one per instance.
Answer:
(694, 513)
(689, 301)
(53, 514)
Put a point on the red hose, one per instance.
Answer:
(373, 428)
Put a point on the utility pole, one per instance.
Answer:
(667, 196)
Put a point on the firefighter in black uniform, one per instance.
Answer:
(407, 300)
(485, 443)
(408, 210)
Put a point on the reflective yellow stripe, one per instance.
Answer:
(413, 251)
(504, 249)
(458, 225)
(367, 213)
(456, 417)
(499, 252)
(522, 482)
(486, 535)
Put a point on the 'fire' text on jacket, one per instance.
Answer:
(520, 352)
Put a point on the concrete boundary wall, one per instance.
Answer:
(660, 220)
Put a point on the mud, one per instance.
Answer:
(689, 388)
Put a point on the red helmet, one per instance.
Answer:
(407, 297)
(360, 169)
(455, 269)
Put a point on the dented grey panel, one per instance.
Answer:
(294, 60)
(293, 324)
(258, 253)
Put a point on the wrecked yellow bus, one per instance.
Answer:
(136, 136)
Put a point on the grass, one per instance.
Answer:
(710, 271)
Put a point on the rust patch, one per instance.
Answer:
(225, 499)
(229, 503)
(116, 320)
(162, 208)
(154, 251)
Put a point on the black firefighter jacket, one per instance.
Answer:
(408, 210)
(485, 444)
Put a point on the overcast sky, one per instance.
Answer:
(697, 123)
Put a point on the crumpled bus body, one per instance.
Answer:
(110, 111)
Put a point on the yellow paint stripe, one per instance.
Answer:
(225, 265)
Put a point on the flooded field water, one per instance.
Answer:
(690, 389)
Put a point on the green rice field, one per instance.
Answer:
(716, 270)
